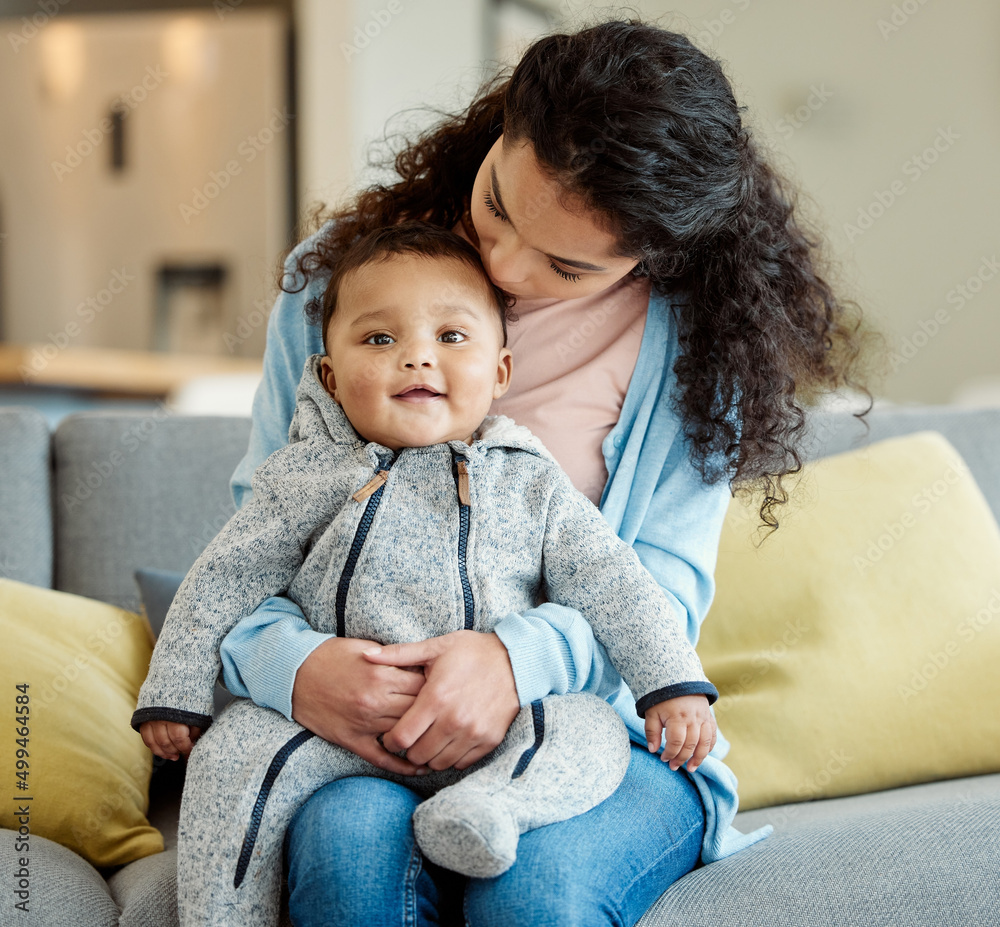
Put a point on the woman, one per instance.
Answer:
(671, 316)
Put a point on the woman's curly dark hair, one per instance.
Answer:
(644, 128)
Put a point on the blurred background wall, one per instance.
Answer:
(884, 114)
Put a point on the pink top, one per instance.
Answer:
(573, 359)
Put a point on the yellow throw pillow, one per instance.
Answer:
(71, 670)
(858, 647)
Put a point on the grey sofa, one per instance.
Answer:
(923, 855)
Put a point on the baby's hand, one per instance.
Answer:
(690, 728)
(168, 739)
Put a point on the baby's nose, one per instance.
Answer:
(418, 355)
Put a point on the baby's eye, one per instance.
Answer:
(453, 337)
(379, 338)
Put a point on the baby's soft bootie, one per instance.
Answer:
(467, 832)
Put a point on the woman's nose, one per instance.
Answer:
(507, 262)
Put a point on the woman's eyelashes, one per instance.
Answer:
(492, 207)
(565, 274)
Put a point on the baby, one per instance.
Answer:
(400, 511)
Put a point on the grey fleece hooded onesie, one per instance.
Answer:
(397, 547)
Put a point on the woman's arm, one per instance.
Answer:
(262, 654)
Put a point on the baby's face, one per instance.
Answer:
(415, 351)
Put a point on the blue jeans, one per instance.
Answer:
(352, 859)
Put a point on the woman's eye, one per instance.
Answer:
(491, 206)
(565, 274)
(379, 338)
(453, 337)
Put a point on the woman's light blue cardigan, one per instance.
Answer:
(654, 499)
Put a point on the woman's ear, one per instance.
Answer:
(505, 367)
(329, 378)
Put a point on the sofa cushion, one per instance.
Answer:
(146, 891)
(25, 505)
(62, 888)
(79, 664)
(135, 491)
(975, 434)
(851, 646)
(922, 856)
(157, 589)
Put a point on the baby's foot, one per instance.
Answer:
(467, 832)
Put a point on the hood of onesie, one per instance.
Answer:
(318, 416)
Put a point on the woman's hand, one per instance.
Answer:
(467, 702)
(350, 701)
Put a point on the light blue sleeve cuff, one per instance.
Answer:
(262, 654)
(553, 651)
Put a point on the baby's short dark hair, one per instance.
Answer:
(416, 238)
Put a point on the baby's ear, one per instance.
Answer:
(505, 367)
(329, 378)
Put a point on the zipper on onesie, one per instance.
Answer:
(376, 485)
(376, 482)
(462, 482)
(253, 828)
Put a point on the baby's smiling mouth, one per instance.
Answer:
(418, 393)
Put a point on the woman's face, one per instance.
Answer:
(535, 241)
